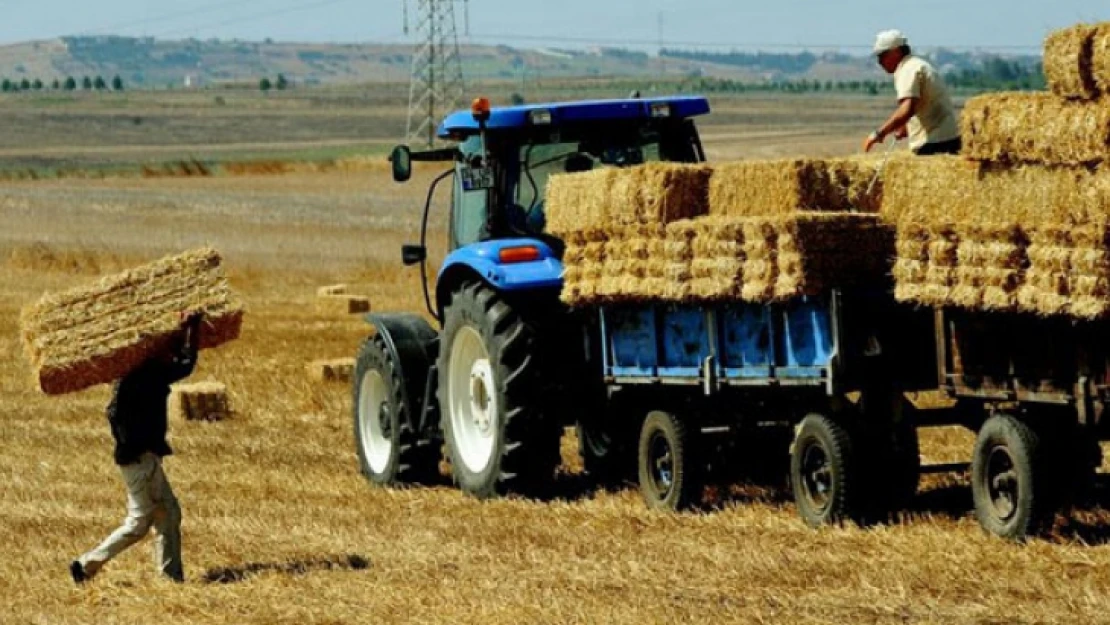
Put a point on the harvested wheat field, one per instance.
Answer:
(279, 527)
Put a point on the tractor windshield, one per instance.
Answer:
(590, 147)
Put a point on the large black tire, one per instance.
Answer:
(1010, 481)
(389, 451)
(669, 474)
(498, 437)
(824, 472)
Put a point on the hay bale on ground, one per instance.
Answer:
(346, 304)
(199, 401)
(335, 370)
(98, 333)
(761, 188)
(333, 289)
(1035, 128)
(1068, 62)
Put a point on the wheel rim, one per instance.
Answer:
(472, 400)
(1001, 483)
(661, 464)
(375, 423)
(817, 482)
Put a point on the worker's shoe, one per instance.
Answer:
(77, 570)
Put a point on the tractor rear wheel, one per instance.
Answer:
(498, 437)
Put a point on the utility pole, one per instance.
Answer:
(436, 82)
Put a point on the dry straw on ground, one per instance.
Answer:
(1035, 128)
(333, 370)
(199, 401)
(345, 304)
(98, 333)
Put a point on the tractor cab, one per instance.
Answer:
(503, 157)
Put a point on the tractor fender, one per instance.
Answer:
(413, 344)
(482, 261)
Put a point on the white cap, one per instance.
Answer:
(889, 40)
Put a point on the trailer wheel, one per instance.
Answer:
(823, 472)
(669, 477)
(498, 438)
(1008, 479)
(389, 452)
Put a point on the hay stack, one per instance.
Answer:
(819, 251)
(200, 401)
(99, 333)
(764, 188)
(336, 370)
(337, 305)
(678, 261)
(1035, 128)
(718, 258)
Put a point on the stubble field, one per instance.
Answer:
(279, 527)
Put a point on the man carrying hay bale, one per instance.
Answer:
(925, 113)
(137, 415)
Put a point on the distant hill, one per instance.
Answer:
(149, 62)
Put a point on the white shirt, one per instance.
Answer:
(934, 119)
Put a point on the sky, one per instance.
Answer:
(786, 25)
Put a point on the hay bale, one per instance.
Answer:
(199, 401)
(335, 370)
(1035, 128)
(1100, 57)
(101, 332)
(1067, 62)
(820, 251)
(653, 194)
(336, 305)
(333, 289)
(761, 188)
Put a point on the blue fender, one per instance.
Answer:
(484, 261)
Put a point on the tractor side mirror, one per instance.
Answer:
(413, 254)
(401, 158)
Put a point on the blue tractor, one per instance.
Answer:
(508, 365)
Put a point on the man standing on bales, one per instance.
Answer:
(925, 113)
(137, 415)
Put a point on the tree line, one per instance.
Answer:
(87, 83)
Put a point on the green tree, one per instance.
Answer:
(99, 83)
(86, 83)
(71, 83)
(57, 84)
(281, 83)
(265, 85)
(25, 85)
(6, 86)
(37, 85)
(117, 83)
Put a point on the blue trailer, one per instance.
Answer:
(658, 392)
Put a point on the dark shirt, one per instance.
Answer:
(137, 412)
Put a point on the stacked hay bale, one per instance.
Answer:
(1020, 222)
(755, 230)
(98, 333)
(614, 224)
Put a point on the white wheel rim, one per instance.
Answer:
(472, 400)
(373, 401)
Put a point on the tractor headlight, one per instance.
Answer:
(540, 117)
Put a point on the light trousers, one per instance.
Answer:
(150, 504)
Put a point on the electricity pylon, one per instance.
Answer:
(436, 83)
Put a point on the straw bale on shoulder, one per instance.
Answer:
(98, 333)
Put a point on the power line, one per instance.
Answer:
(201, 10)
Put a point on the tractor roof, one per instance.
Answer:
(461, 124)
